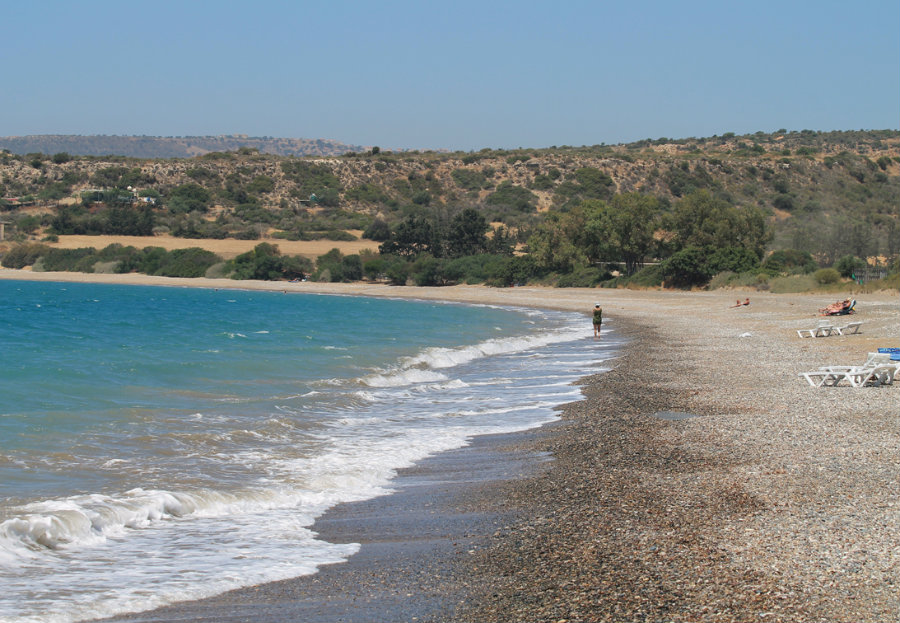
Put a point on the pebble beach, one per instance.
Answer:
(702, 480)
(699, 479)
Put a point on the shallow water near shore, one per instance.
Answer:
(164, 444)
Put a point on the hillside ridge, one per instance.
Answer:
(170, 147)
(827, 193)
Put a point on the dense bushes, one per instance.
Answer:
(115, 220)
(192, 262)
(187, 263)
(690, 267)
(265, 262)
(335, 266)
(826, 276)
(24, 255)
(789, 261)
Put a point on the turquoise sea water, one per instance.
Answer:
(162, 444)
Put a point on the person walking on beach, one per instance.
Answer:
(598, 319)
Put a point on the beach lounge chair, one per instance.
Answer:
(893, 352)
(823, 329)
(871, 360)
(879, 374)
(848, 329)
(877, 370)
(819, 378)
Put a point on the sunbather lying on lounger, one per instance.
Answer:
(836, 308)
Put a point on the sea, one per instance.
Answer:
(163, 444)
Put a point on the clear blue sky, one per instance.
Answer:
(455, 74)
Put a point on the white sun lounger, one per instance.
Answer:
(848, 329)
(871, 360)
(824, 329)
(879, 374)
(877, 370)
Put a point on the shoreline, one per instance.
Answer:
(404, 570)
(777, 501)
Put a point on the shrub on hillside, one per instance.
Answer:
(379, 231)
(688, 267)
(469, 179)
(826, 276)
(192, 262)
(266, 263)
(582, 277)
(71, 260)
(511, 271)
(514, 197)
(24, 255)
(789, 261)
(849, 265)
(397, 270)
(735, 259)
(648, 277)
(432, 271)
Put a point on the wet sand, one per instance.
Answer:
(699, 480)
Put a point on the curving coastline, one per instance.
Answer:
(777, 502)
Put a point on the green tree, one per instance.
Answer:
(849, 265)
(189, 198)
(502, 242)
(703, 220)
(129, 221)
(352, 268)
(379, 231)
(374, 268)
(622, 230)
(412, 236)
(789, 261)
(688, 267)
(265, 262)
(467, 234)
(734, 259)
(553, 244)
(330, 266)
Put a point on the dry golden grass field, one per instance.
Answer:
(227, 249)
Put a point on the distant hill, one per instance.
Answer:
(171, 146)
(831, 194)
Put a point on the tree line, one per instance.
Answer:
(630, 238)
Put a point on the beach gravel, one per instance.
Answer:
(771, 501)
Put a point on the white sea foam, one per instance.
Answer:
(403, 376)
(451, 357)
(420, 368)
